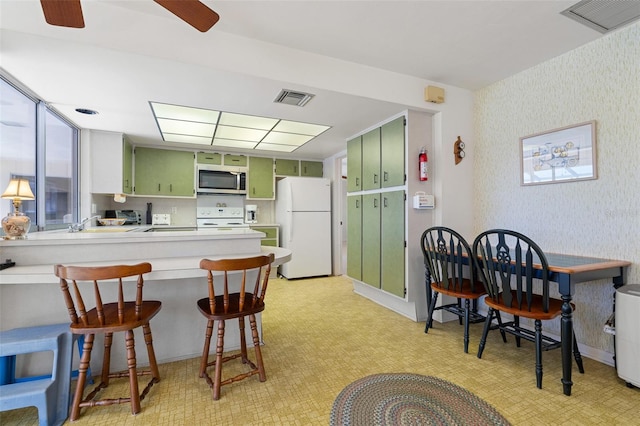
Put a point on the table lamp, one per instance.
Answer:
(16, 225)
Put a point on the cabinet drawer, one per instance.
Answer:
(235, 160)
(209, 158)
(269, 242)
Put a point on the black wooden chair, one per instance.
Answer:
(450, 270)
(514, 271)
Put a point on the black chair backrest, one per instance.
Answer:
(448, 258)
(507, 263)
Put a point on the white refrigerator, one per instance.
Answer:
(303, 210)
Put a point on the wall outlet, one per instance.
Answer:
(94, 208)
(174, 210)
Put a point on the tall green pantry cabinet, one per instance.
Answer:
(376, 206)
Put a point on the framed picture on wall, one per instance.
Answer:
(566, 154)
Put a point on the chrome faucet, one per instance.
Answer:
(77, 227)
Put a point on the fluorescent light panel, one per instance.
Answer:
(180, 124)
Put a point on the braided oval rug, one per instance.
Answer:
(410, 399)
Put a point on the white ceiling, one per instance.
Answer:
(364, 60)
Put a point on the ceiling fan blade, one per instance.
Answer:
(63, 13)
(193, 12)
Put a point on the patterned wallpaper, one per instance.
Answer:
(601, 218)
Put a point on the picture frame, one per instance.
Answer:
(566, 154)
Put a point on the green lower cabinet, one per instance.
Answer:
(371, 239)
(354, 237)
(392, 244)
(271, 239)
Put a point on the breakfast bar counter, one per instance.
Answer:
(30, 294)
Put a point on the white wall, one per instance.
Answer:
(600, 218)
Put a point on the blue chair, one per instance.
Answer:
(50, 395)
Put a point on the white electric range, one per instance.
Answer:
(220, 217)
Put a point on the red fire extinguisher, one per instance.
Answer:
(423, 167)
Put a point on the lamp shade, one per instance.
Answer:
(18, 189)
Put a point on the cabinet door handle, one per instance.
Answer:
(295, 169)
(386, 204)
(158, 187)
(386, 176)
(375, 178)
(357, 181)
(375, 203)
(357, 204)
(170, 187)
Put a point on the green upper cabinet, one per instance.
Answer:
(354, 164)
(286, 167)
(164, 172)
(311, 168)
(392, 153)
(260, 179)
(392, 242)
(111, 163)
(235, 160)
(371, 160)
(127, 167)
(214, 158)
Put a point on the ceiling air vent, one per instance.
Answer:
(604, 15)
(290, 97)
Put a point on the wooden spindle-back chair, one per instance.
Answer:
(237, 299)
(85, 295)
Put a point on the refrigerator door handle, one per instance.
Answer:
(290, 227)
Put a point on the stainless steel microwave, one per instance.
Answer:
(221, 180)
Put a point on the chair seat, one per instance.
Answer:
(233, 308)
(112, 323)
(465, 292)
(536, 312)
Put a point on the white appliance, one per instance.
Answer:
(628, 333)
(252, 213)
(303, 210)
(220, 217)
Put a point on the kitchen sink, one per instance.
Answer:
(106, 229)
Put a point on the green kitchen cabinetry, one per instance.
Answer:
(163, 172)
(354, 236)
(272, 235)
(235, 160)
(354, 164)
(285, 167)
(311, 168)
(260, 179)
(392, 156)
(392, 242)
(213, 158)
(371, 239)
(111, 163)
(371, 160)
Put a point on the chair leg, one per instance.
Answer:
(538, 330)
(432, 307)
(576, 354)
(499, 319)
(218, 370)
(82, 376)
(256, 346)
(460, 307)
(133, 373)
(485, 331)
(516, 322)
(106, 359)
(467, 308)
(243, 341)
(204, 361)
(153, 364)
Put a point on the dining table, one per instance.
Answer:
(567, 270)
